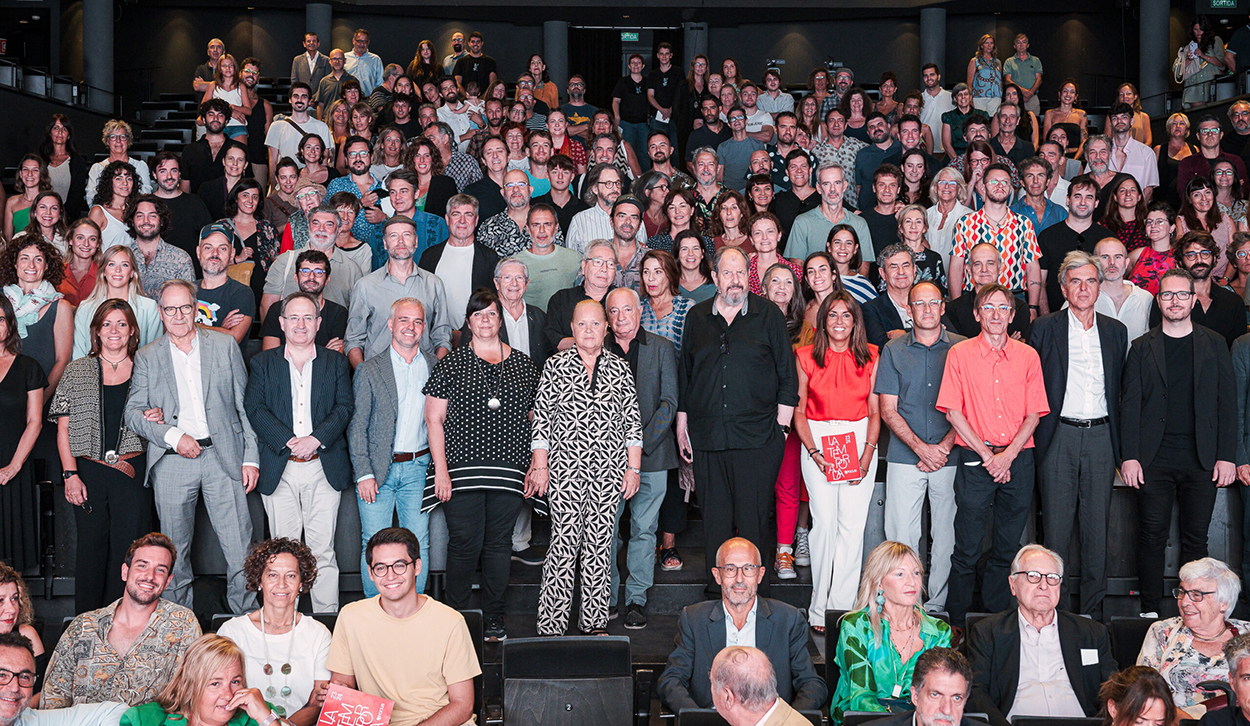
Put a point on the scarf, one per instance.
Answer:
(26, 305)
(299, 230)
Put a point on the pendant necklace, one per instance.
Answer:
(285, 691)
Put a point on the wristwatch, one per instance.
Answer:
(69, 474)
(634, 469)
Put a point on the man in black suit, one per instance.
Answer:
(1035, 660)
(984, 262)
(461, 258)
(940, 683)
(299, 401)
(1078, 442)
(1178, 412)
(705, 628)
(888, 316)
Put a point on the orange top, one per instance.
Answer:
(839, 391)
(75, 291)
(993, 389)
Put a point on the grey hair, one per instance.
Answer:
(948, 173)
(706, 150)
(830, 165)
(895, 249)
(327, 209)
(406, 301)
(1101, 138)
(1029, 549)
(1077, 259)
(593, 244)
(1235, 651)
(175, 282)
(720, 255)
(732, 670)
(512, 261)
(1227, 584)
(628, 290)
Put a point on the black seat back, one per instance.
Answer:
(833, 625)
(477, 632)
(1127, 636)
(568, 681)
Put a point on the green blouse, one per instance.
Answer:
(871, 672)
(151, 714)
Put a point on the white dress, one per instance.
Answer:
(234, 98)
(308, 646)
(115, 232)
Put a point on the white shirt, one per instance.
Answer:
(365, 68)
(931, 114)
(1086, 394)
(455, 269)
(903, 313)
(942, 239)
(783, 102)
(1140, 162)
(410, 378)
(312, 61)
(1134, 312)
(1060, 195)
(1044, 689)
(458, 121)
(301, 394)
(308, 653)
(758, 120)
(106, 713)
(769, 713)
(745, 636)
(283, 136)
(192, 420)
(518, 331)
(591, 224)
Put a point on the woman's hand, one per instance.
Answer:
(442, 485)
(245, 255)
(251, 701)
(318, 696)
(536, 482)
(7, 473)
(865, 461)
(155, 415)
(75, 491)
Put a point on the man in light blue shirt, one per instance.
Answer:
(17, 687)
(1035, 175)
(810, 232)
(366, 67)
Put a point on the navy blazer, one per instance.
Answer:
(880, 317)
(268, 405)
(1049, 337)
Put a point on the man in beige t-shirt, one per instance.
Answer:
(403, 645)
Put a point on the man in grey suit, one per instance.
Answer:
(390, 447)
(186, 399)
(705, 628)
(310, 66)
(299, 400)
(653, 361)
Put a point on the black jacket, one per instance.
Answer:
(880, 317)
(484, 261)
(1049, 337)
(960, 319)
(1144, 400)
(994, 650)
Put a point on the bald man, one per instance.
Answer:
(744, 690)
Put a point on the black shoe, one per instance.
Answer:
(635, 617)
(614, 612)
(495, 630)
(528, 556)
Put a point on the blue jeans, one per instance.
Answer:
(636, 135)
(644, 517)
(402, 492)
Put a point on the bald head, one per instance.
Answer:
(733, 549)
(744, 684)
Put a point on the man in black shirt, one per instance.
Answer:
(801, 196)
(312, 270)
(662, 90)
(598, 273)
(201, 159)
(1216, 307)
(475, 66)
(710, 134)
(1077, 232)
(1178, 439)
(886, 181)
(984, 263)
(221, 301)
(401, 107)
(737, 389)
(187, 212)
(560, 172)
(631, 109)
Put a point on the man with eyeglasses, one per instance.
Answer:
(403, 645)
(158, 261)
(360, 183)
(312, 270)
(1218, 308)
(1077, 231)
(606, 182)
(577, 111)
(598, 275)
(735, 152)
(17, 688)
(1239, 117)
(507, 233)
(740, 617)
(288, 275)
(1082, 353)
(299, 400)
(1177, 409)
(993, 395)
(186, 399)
(1210, 136)
(909, 376)
(1035, 660)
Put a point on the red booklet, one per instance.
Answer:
(842, 456)
(348, 707)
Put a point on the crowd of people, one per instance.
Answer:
(472, 304)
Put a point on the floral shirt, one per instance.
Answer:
(1149, 268)
(1169, 649)
(873, 670)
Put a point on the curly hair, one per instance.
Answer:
(25, 611)
(409, 155)
(716, 227)
(104, 189)
(264, 552)
(54, 264)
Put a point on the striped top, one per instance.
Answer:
(859, 286)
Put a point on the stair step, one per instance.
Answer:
(191, 96)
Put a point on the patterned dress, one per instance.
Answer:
(1150, 267)
(671, 326)
(1169, 649)
(872, 670)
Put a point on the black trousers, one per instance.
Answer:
(122, 511)
(1160, 488)
(737, 489)
(673, 508)
(979, 500)
(479, 527)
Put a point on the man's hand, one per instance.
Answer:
(1131, 473)
(895, 334)
(1243, 474)
(234, 318)
(303, 447)
(1225, 473)
(932, 456)
(999, 466)
(367, 490)
(335, 344)
(188, 448)
(374, 215)
(251, 475)
(155, 415)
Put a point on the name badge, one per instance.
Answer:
(1089, 656)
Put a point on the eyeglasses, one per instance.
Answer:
(989, 308)
(1224, 172)
(516, 185)
(306, 195)
(1034, 577)
(399, 568)
(577, 85)
(1156, 222)
(314, 271)
(1242, 254)
(946, 183)
(925, 304)
(1180, 592)
(25, 679)
(598, 263)
(118, 137)
(1182, 296)
(998, 183)
(358, 155)
(1208, 132)
(176, 310)
(1196, 254)
(306, 319)
(731, 571)
(610, 183)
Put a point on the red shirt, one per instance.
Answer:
(993, 389)
(75, 291)
(839, 391)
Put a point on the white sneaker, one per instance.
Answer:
(1151, 616)
(785, 566)
(802, 553)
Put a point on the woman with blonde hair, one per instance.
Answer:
(208, 689)
(117, 278)
(949, 193)
(881, 639)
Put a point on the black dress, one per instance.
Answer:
(19, 505)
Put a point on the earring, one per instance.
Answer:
(880, 598)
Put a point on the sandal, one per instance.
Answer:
(596, 631)
(670, 561)
(820, 629)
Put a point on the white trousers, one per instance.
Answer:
(839, 515)
(905, 487)
(305, 504)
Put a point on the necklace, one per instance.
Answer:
(1213, 638)
(285, 691)
(496, 375)
(119, 362)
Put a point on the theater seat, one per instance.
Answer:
(477, 632)
(1055, 721)
(833, 625)
(1127, 636)
(568, 681)
(709, 717)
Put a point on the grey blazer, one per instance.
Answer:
(372, 429)
(224, 380)
(656, 384)
(299, 72)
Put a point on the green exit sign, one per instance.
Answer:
(633, 37)
(1217, 5)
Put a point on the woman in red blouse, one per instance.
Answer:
(838, 423)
